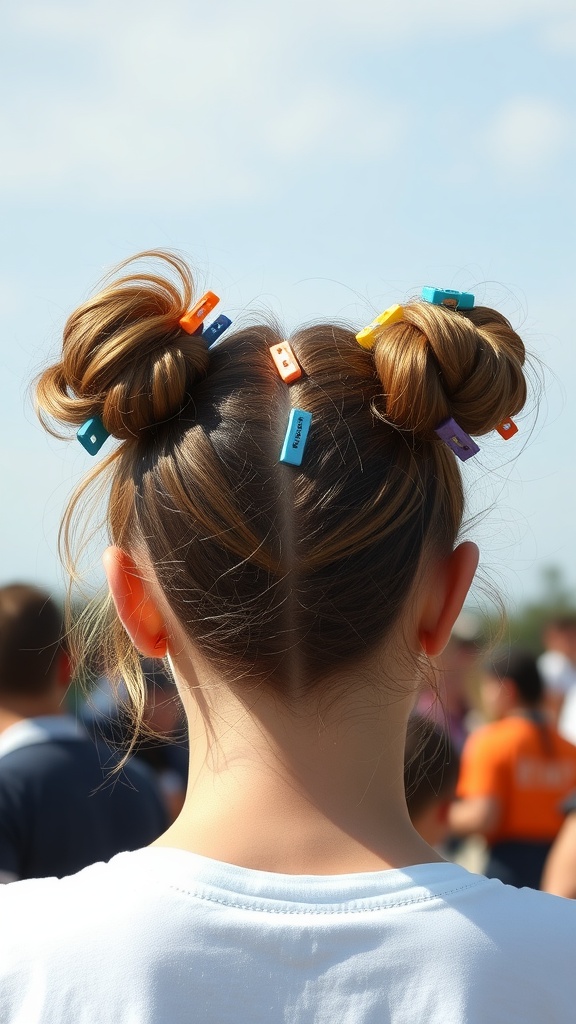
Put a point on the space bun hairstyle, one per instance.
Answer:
(437, 363)
(277, 572)
(125, 357)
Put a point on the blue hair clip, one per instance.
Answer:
(296, 433)
(457, 439)
(212, 333)
(448, 297)
(92, 435)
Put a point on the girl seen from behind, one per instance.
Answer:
(297, 604)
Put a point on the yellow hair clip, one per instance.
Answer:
(392, 315)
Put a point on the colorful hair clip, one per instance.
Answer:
(507, 428)
(212, 333)
(448, 297)
(92, 435)
(296, 433)
(457, 439)
(192, 321)
(286, 363)
(367, 337)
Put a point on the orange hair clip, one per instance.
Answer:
(507, 428)
(192, 320)
(286, 363)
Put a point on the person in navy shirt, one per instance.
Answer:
(62, 807)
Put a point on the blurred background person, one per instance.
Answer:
(448, 700)
(557, 666)
(514, 774)
(431, 765)
(559, 875)
(162, 741)
(59, 807)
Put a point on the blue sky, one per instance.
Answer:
(319, 159)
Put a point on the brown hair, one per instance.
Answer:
(273, 570)
(431, 765)
(30, 640)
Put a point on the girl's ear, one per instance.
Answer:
(447, 588)
(135, 605)
(64, 669)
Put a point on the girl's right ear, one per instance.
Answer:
(135, 604)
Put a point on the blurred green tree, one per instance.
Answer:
(525, 624)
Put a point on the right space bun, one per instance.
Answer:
(438, 363)
(124, 356)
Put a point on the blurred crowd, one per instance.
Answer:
(490, 760)
(69, 795)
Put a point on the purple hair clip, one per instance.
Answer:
(457, 439)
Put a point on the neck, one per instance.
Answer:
(317, 791)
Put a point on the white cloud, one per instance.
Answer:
(119, 101)
(110, 21)
(561, 36)
(340, 123)
(427, 18)
(209, 109)
(527, 136)
(162, 102)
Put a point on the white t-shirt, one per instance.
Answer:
(558, 672)
(161, 935)
(559, 675)
(567, 719)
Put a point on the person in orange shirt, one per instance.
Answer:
(515, 772)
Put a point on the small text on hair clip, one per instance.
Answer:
(213, 332)
(295, 440)
(192, 321)
(457, 439)
(286, 363)
(448, 297)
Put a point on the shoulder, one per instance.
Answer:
(516, 937)
(56, 766)
(514, 950)
(536, 927)
(520, 914)
(44, 744)
(48, 750)
(103, 899)
(87, 940)
(490, 739)
(20, 768)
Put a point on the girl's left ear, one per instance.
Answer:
(447, 588)
(135, 605)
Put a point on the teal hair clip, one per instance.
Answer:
(295, 440)
(448, 297)
(92, 435)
